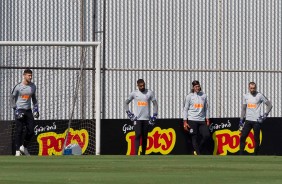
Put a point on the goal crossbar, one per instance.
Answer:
(97, 75)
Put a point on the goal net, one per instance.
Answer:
(67, 91)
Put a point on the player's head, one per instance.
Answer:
(27, 75)
(141, 85)
(196, 87)
(252, 87)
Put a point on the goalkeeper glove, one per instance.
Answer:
(131, 116)
(241, 125)
(153, 119)
(18, 114)
(35, 111)
(262, 118)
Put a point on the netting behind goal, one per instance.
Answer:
(65, 80)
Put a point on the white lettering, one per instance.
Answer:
(127, 128)
(219, 126)
(39, 129)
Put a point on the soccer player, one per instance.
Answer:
(141, 114)
(251, 111)
(195, 117)
(21, 97)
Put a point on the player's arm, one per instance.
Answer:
(130, 115)
(155, 107)
(155, 104)
(13, 101)
(35, 105)
(155, 110)
(243, 114)
(268, 107)
(127, 102)
(185, 113)
(243, 111)
(13, 97)
(207, 112)
(34, 99)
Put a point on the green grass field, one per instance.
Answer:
(141, 169)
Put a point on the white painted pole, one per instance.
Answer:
(97, 100)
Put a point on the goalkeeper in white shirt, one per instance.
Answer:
(141, 114)
(253, 115)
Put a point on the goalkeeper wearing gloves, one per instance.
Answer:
(251, 111)
(141, 116)
(21, 97)
(195, 117)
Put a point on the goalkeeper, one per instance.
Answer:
(141, 116)
(251, 111)
(196, 117)
(21, 97)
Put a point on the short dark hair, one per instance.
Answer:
(252, 83)
(27, 71)
(195, 82)
(139, 81)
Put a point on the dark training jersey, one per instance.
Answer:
(22, 95)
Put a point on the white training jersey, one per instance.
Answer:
(254, 105)
(142, 105)
(195, 107)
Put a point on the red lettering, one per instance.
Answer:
(222, 141)
(155, 139)
(47, 143)
(159, 140)
(229, 141)
(51, 143)
(234, 141)
(251, 144)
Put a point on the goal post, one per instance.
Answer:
(97, 90)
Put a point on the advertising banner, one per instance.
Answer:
(50, 136)
(166, 137)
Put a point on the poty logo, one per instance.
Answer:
(51, 143)
(227, 141)
(159, 141)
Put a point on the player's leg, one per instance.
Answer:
(244, 134)
(205, 133)
(18, 135)
(145, 129)
(193, 131)
(29, 122)
(256, 127)
(138, 133)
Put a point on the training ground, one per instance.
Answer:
(141, 169)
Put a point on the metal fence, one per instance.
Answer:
(222, 43)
